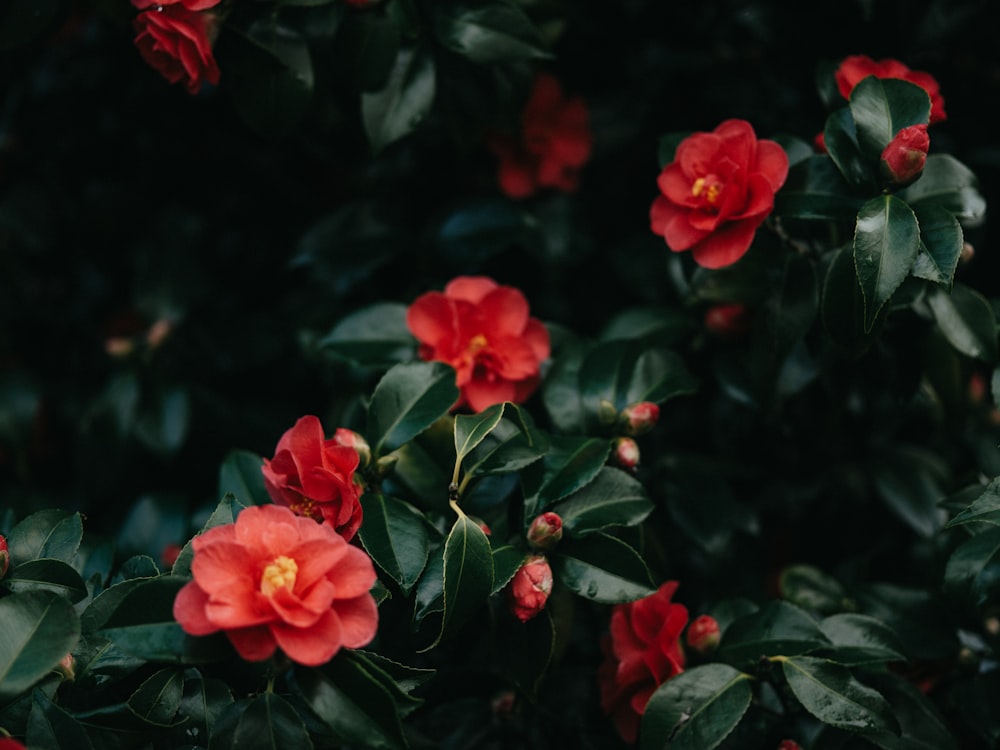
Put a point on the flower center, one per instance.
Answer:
(707, 188)
(278, 574)
(477, 343)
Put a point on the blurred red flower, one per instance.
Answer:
(485, 331)
(855, 68)
(176, 39)
(276, 580)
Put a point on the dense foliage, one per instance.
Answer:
(643, 355)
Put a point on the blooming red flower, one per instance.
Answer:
(716, 192)
(176, 39)
(529, 589)
(276, 580)
(904, 158)
(855, 68)
(315, 477)
(555, 142)
(483, 330)
(642, 651)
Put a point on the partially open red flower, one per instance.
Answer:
(176, 39)
(904, 158)
(716, 192)
(642, 651)
(276, 580)
(315, 477)
(554, 143)
(485, 331)
(529, 589)
(855, 68)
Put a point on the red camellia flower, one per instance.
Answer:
(855, 68)
(276, 580)
(176, 39)
(315, 477)
(4, 556)
(904, 158)
(529, 589)
(642, 651)
(555, 142)
(483, 330)
(9, 743)
(716, 192)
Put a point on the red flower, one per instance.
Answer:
(529, 589)
(640, 417)
(4, 556)
(194, 5)
(555, 142)
(728, 320)
(485, 332)
(276, 580)
(904, 158)
(642, 652)
(315, 477)
(9, 743)
(856, 68)
(703, 634)
(176, 39)
(717, 191)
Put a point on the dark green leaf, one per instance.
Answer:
(407, 400)
(240, 475)
(225, 512)
(402, 104)
(971, 559)
(371, 42)
(859, 639)
(265, 722)
(812, 589)
(496, 32)
(947, 182)
(157, 700)
(941, 242)
(922, 726)
(695, 710)
(511, 446)
(776, 629)
(842, 307)
(886, 241)
(480, 228)
(47, 574)
(375, 335)
(614, 498)
(39, 629)
(659, 325)
(472, 429)
(816, 190)
(571, 463)
(506, 562)
(203, 701)
(396, 536)
(909, 479)
(468, 574)
(881, 107)
(985, 508)
(601, 568)
(841, 141)
(52, 728)
(48, 533)
(967, 320)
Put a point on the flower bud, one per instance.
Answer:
(789, 745)
(351, 439)
(530, 587)
(640, 418)
(4, 556)
(67, 667)
(703, 634)
(626, 452)
(967, 253)
(727, 321)
(545, 531)
(158, 333)
(904, 158)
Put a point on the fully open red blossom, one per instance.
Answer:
(315, 477)
(716, 192)
(855, 68)
(642, 651)
(554, 143)
(276, 580)
(485, 331)
(176, 39)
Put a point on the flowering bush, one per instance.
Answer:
(406, 374)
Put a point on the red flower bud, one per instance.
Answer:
(703, 634)
(728, 321)
(67, 667)
(351, 439)
(904, 158)
(626, 452)
(789, 745)
(530, 587)
(4, 556)
(483, 526)
(545, 531)
(641, 417)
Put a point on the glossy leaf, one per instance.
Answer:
(886, 241)
(776, 629)
(881, 107)
(374, 335)
(203, 701)
(971, 562)
(967, 320)
(910, 481)
(816, 190)
(812, 589)
(39, 629)
(571, 463)
(860, 639)
(50, 533)
(396, 536)
(947, 182)
(921, 724)
(985, 508)
(941, 241)
(47, 574)
(614, 498)
(157, 700)
(695, 710)
(511, 446)
(495, 32)
(601, 568)
(507, 561)
(468, 574)
(240, 476)
(407, 400)
(402, 104)
(841, 139)
(472, 429)
(842, 307)
(50, 726)
(265, 722)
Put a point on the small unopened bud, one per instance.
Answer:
(67, 667)
(384, 465)
(727, 321)
(158, 332)
(530, 587)
(503, 704)
(789, 745)
(545, 531)
(606, 412)
(967, 252)
(4, 556)
(703, 634)
(351, 439)
(977, 388)
(626, 452)
(904, 158)
(640, 418)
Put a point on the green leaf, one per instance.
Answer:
(240, 476)
(859, 639)
(511, 446)
(816, 190)
(841, 141)
(910, 480)
(984, 509)
(695, 710)
(157, 700)
(375, 335)
(495, 32)
(881, 107)
(507, 560)
(51, 575)
(842, 307)
(921, 724)
(614, 498)
(941, 241)
(50, 726)
(39, 629)
(810, 588)
(705, 508)
(407, 400)
(947, 182)
(967, 320)
(203, 701)
(970, 561)
(50, 533)
(472, 429)
(401, 105)
(571, 463)
(265, 722)
(776, 629)
(396, 536)
(886, 241)
(601, 568)
(482, 227)
(659, 325)
(834, 696)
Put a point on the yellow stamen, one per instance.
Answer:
(477, 342)
(278, 574)
(711, 190)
